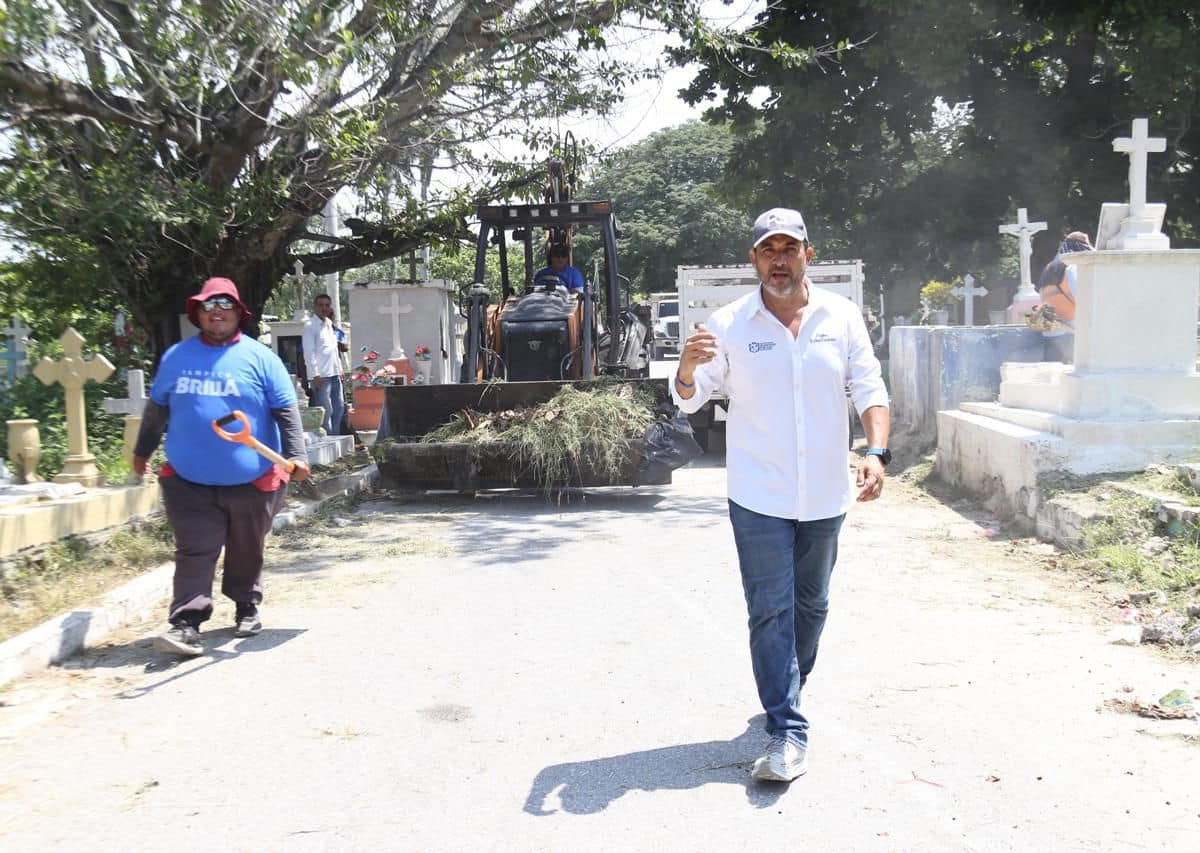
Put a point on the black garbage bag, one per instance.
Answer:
(668, 444)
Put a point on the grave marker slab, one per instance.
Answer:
(73, 371)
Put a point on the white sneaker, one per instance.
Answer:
(784, 761)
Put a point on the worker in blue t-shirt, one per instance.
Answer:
(560, 271)
(219, 495)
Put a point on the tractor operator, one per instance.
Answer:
(560, 269)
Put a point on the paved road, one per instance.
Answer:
(508, 674)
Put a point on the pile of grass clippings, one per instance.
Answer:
(576, 430)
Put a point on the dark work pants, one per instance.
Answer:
(205, 519)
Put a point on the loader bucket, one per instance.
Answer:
(412, 411)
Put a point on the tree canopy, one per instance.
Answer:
(149, 144)
(663, 190)
(936, 120)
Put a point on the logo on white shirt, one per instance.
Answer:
(761, 346)
(823, 337)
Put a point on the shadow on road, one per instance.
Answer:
(174, 667)
(588, 787)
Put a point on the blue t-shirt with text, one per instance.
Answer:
(200, 383)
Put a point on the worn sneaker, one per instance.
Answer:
(179, 639)
(248, 624)
(783, 761)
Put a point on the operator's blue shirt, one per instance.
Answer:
(200, 383)
(571, 278)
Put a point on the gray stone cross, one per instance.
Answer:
(968, 292)
(135, 403)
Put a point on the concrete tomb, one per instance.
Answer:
(1132, 397)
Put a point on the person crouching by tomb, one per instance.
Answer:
(1056, 287)
(219, 493)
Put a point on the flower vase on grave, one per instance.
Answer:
(25, 449)
(367, 411)
(424, 371)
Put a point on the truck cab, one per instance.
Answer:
(664, 325)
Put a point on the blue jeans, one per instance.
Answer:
(785, 566)
(331, 398)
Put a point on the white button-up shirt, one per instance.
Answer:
(320, 347)
(788, 432)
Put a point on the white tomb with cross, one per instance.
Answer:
(1132, 396)
(388, 317)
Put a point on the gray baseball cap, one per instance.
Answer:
(780, 220)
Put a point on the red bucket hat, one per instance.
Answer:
(216, 287)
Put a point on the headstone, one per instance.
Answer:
(434, 322)
(73, 371)
(968, 292)
(132, 408)
(14, 355)
(1023, 230)
(1136, 225)
(299, 280)
(135, 403)
(1132, 396)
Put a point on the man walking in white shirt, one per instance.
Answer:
(785, 356)
(324, 363)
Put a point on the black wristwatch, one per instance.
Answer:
(885, 455)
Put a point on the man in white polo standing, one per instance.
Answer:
(785, 355)
(323, 360)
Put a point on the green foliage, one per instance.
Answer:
(940, 119)
(663, 190)
(1115, 545)
(938, 295)
(151, 144)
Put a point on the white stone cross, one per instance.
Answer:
(1024, 230)
(135, 403)
(299, 279)
(73, 371)
(395, 309)
(132, 408)
(1137, 147)
(968, 292)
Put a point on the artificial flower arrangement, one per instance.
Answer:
(368, 374)
(421, 353)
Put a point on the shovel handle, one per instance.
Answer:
(243, 436)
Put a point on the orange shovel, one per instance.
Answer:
(243, 436)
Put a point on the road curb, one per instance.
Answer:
(66, 634)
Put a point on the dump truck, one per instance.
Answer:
(521, 349)
(701, 290)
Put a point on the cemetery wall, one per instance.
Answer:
(934, 368)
